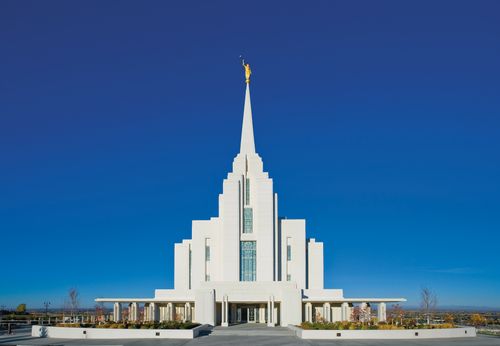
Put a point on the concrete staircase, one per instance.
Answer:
(252, 329)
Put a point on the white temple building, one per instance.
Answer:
(247, 264)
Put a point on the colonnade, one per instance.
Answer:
(329, 312)
(154, 312)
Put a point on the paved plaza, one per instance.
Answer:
(245, 334)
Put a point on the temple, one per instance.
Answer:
(248, 265)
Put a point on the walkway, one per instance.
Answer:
(252, 329)
(242, 335)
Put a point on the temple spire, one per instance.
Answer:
(247, 141)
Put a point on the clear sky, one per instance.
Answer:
(379, 122)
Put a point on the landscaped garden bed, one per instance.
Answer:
(373, 330)
(131, 325)
(164, 330)
(370, 326)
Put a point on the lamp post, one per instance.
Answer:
(46, 304)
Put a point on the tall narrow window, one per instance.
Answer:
(207, 259)
(189, 266)
(289, 252)
(207, 253)
(247, 220)
(248, 261)
(247, 191)
(207, 249)
(288, 277)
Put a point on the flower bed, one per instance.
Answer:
(112, 331)
(363, 332)
(368, 326)
(126, 325)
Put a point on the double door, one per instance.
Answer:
(247, 314)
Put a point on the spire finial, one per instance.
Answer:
(247, 141)
(248, 71)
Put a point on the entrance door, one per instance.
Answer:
(247, 314)
(251, 314)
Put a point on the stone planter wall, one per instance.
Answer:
(385, 334)
(107, 333)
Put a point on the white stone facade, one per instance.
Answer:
(248, 264)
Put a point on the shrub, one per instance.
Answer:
(407, 324)
(69, 325)
(388, 327)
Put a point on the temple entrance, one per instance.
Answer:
(247, 314)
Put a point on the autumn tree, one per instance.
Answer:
(448, 318)
(21, 309)
(428, 302)
(477, 320)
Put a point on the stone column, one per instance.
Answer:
(327, 312)
(117, 312)
(170, 312)
(187, 312)
(162, 313)
(268, 311)
(381, 312)
(146, 312)
(308, 312)
(133, 312)
(225, 312)
(153, 312)
(344, 309)
(363, 309)
(273, 311)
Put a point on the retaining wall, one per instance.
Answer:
(107, 333)
(385, 334)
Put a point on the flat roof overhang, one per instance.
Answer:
(353, 300)
(144, 300)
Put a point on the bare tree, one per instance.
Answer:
(397, 314)
(73, 301)
(355, 313)
(428, 303)
(99, 312)
(364, 314)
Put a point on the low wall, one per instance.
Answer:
(108, 333)
(385, 334)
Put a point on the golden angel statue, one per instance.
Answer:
(248, 71)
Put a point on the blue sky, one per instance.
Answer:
(378, 121)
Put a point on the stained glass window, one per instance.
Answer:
(248, 261)
(247, 191)
(247, 220)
